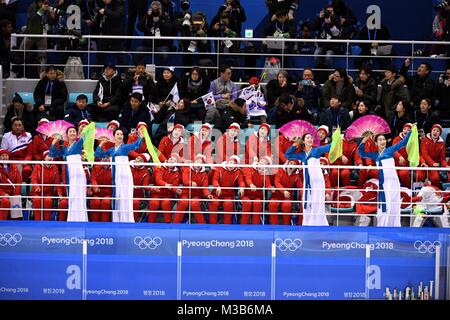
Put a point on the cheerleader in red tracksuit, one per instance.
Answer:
(200, 143)
(45, 187)
(10, 184)
(432, 150)
(167, 180)
(323, 131)
(228, 144)
(258, 145)
(368, 203)
(195, 180)
(225, 180)
(285, 180)
(172, 143)
(349, 157)
(257, 180)
(141, 181)
(282, 144)
(101, 184)
(132, 137)
(401, 157)
(40, 142)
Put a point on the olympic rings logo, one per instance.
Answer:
(288, 244)
(147, 242)
(9, 239)
(426, 246)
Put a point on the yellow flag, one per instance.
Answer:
(150, 147)
(336, 145)
(88, 135)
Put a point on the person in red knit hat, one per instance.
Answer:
(432, 150)
(323, 131)
(224, 181)
(132, 137)
(258, 145)
(200, 143)
(257, 179)
(41, 142)
(195, 180)
(45, 188)
(10, 184)
(172, 143)
(286, 180)
(81, 125)
(113, 125)
(101, 185)
(142, 179)
(228, 144)
(350, 157)
(167, 180)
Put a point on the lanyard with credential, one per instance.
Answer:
(49, 84)
(374, 35)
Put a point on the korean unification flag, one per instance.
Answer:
(247, 93)
(209, 101)
(175, 94)
(256, 104)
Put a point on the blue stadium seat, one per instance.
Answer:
(73, 96)
(155, 127)
(27, 97)
(445, 185)
(101, 124)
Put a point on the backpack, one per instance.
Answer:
(74, 68)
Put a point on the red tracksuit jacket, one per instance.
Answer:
(350, 150)
(141, 178)
(39, 146)
(167, 147)
(283, 181)
(10, 181)
(252, 176)
(200, 178)
(42, 177)
(222, 145)
(166, 175)
(402, 152)
(282, 145)
(433, 151)
(257, 148)
(196, 147)
(224, 178)
(102, 176)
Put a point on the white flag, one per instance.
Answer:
(100, 92)
(209, 101)
(256, 105)
(247, 92)
(175, 94)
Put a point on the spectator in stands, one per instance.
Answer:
(335, 116)
(79, 110)
(366, 86)
(155, 24)
(288, 109)
(258, 145)
(421, 85)
(107, 95)
(197, 27)
(10, 184)
(362, 109)
(338, 84)
(220, 27)
(229, 177)
(168, 9)
(195, 181)
(168, 116)
(18, 109)
(167, 180)
(329, 27)
(172, 143)
(275, 5)
(392, 91)
(443, 95)
(111, 21)
(228, 144)
(136, 10)
(18, 144)
(193, 87)
(39, 16)
(309, 91)
(89, 15)
(400, 117)
(8, 12)
(305, 33)
(425, 117)
(236, 13)
(236, 112)
(133, 112)
(40, 142)
(46, 189)
(224, 90)
(101, 182)
(138, 81)
(373, 49)
(50, 95)
(346, 17)
(164, 86)
(282, 27)
(276, 87)
(6, 29)
(432, 150)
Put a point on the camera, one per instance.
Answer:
(326, 14)
(441, 6)
(185, 5)
(186, 24)
(57, 11)
(306, 82)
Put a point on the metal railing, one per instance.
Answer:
(334, 205)
(88, 53)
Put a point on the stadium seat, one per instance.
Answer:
(445, 185)
(27, 97)
(155, 127)
(101, 124)
(73, 96)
